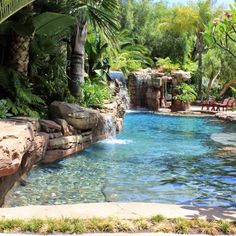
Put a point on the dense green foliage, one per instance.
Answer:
(197, 37)
(187, 93)
(95, 94)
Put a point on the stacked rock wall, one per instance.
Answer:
(27, 141)
(147, 87)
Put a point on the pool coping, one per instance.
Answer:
(131, 210)
(194, 111)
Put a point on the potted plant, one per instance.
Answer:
(185, 94)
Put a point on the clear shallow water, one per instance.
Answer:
(164, 159)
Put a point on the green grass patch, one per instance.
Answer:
(156, 223)
(157, 219)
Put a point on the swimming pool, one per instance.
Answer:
(156, 158)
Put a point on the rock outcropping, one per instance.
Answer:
(149, 88)
(27, 141)
(20, 148)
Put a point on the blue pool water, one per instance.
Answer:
(164, 159)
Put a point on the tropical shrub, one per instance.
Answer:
(19, 93)
(94, 94)
(166, 64)
(4, 108)
(186, 93)
(96, 63)
(129, 56)
(48, 69)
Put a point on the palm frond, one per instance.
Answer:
(101, 13)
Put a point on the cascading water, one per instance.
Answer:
(124, 95)
(109, 127)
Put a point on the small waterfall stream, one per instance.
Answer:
(109, 127)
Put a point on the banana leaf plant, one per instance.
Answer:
(96, 63)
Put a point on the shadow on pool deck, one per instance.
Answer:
(132, 210)
(213, 213)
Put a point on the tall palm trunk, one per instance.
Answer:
(200, 69)
(20, 53)
(76, 74)
(20, 46)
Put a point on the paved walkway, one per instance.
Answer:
(117, 210)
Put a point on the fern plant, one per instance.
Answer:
(4, 109)
(48, 69)
(18, 91)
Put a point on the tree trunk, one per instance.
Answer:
(19, 52)
(76, 74)
(200, 73)
(211, 81)
(226, 87)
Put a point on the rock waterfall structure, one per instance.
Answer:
(26, 141)
(152, 89)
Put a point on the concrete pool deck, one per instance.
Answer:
(117, 210)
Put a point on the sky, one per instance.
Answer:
(225, 3)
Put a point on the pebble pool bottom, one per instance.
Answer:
(156, 158)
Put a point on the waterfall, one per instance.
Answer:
(109, 127)
(124, 95)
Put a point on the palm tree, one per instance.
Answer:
(20, 40)
(100, 14)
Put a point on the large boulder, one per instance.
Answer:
(180, 75)
(78, 117)
(15, 141)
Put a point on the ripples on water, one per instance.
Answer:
(163, 159)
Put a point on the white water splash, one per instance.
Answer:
(140, 110)
(117, 141)
(109, 127)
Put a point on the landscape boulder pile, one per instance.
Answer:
(26, 141)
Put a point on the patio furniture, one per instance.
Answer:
(209, 103)
(228, 102)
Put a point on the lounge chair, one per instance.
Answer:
(228, 102)
(209, 103)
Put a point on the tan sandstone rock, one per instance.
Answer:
(64, 142)
(15, 141)
(80, 118)
(64, 126)
(24, 119)
(53, 155)
(49, 126)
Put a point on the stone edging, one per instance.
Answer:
(26, 141)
